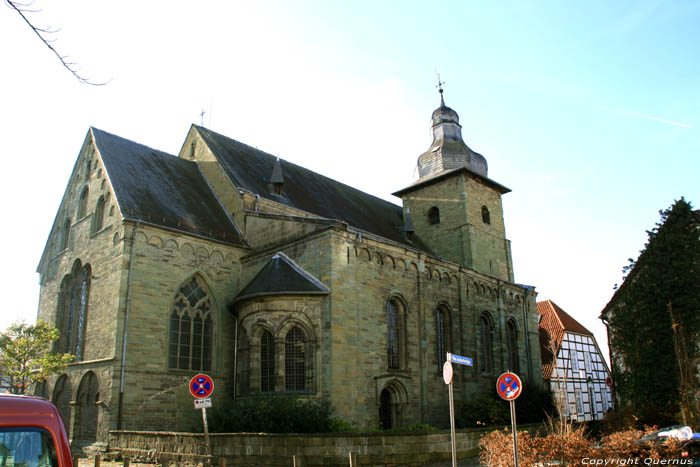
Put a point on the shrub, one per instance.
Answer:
(275, 414)
(488, 409)
(571, 447)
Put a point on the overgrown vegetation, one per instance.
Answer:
(659, 302)
(573, 447)
(488, 409)
(26, 355)
(275, 414)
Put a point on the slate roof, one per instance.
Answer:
(251, 169)
(158, 188)
(554, 322)
(434, 178)
(282, 276)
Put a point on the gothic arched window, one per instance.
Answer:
(72, 310)
(395, 339)
(443, 334)
(295, 360)
(433, 215)
(191, 329)
(512, 343)
(485, 215)
(485, 344)
(83, 202)
(267, 362)
(98, 219)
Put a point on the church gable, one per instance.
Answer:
(157, 188)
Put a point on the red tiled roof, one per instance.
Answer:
(554, 322)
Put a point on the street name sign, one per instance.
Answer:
(461, 360)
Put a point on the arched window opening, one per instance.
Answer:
(72, 310)
(433, 215)
(88, 394)
(98, 219)
(83, 202)
(62, 396)
(394, 334)
(512, 344)
(66, 234)
(267, 362)
(443, 335)
(485, 344)
(191, 329)
(485, 215)
(294, 360)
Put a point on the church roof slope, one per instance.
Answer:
(250, 168)
(158, 188)
(282, 276)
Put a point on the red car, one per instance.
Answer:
(32, 433)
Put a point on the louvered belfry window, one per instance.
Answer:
(191, 329)
(267, 362)
(295, 360)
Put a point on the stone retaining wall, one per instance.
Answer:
(258, 449)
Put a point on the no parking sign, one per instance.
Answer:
(201, 386)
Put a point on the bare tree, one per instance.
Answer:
(23, 9)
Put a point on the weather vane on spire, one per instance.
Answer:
(439, 86)
(440, 83)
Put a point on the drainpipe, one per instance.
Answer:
(126, 327)
(526, 305)
(257, 200)
(235, 357)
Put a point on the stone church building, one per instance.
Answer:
(274, 279)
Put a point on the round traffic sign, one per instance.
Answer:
(509, 386)
(201, 386)
(447, 372)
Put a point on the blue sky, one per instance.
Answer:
(588, 111)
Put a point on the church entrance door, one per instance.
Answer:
(385, 409)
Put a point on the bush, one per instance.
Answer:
(488, 409)
(571, 447)
(275, 414)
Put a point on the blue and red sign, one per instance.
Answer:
(201, 386)
(509, 386)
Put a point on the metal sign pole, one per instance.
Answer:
(515, 433)
(453, 435)
(206, 432)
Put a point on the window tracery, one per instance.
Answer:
(191, 329)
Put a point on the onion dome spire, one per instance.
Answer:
(448, 150)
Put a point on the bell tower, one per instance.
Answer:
(455, 208)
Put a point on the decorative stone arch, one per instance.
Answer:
(445, 278)
(86, 409)
(187, 250)
(392, 401)
(377, 259)
(412, 267)
(217, 258)
(485, 342)
(389, 261)
(41, 389)
(401, 264)
(62, 396)
(172, 245)
(155, 241)
(192, 320)
(364, 253)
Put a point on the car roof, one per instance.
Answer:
(25, 410)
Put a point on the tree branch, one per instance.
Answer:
(22, 9)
